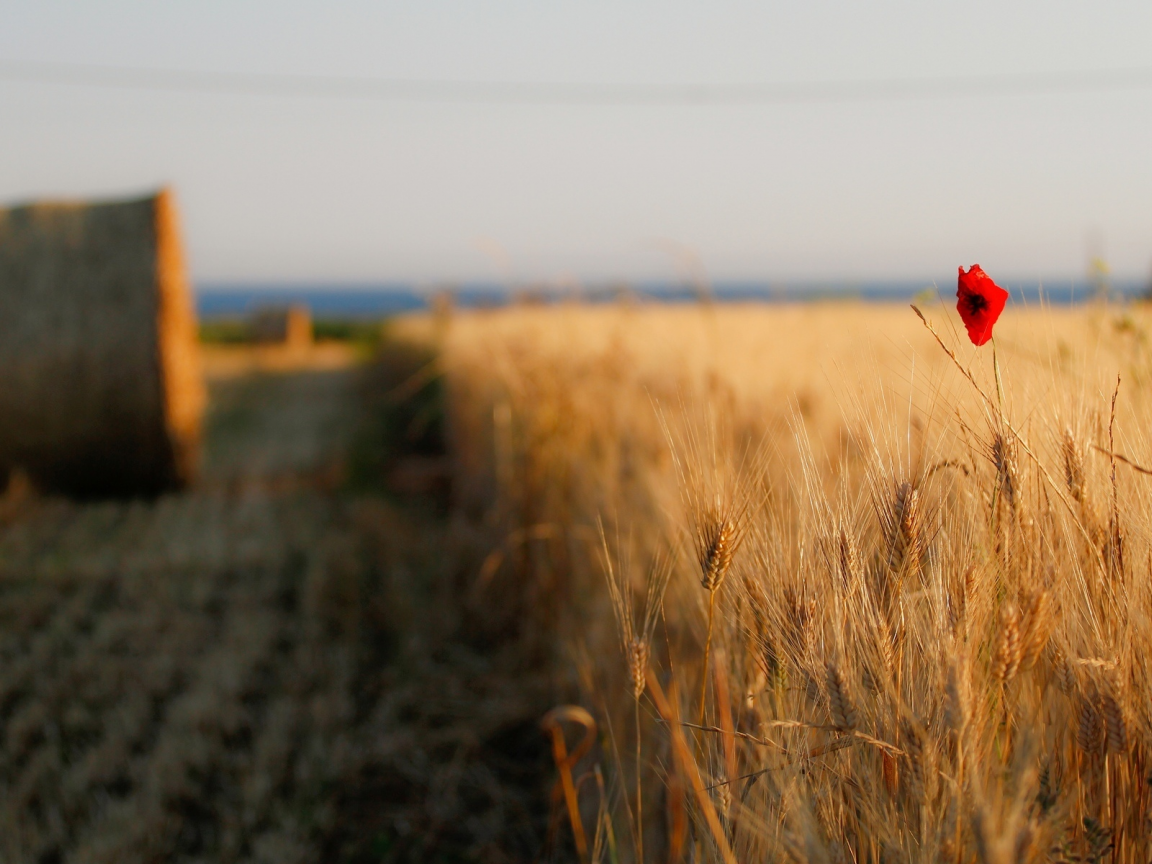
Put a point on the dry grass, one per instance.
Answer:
(927, 607)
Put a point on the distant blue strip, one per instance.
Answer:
(233, 300)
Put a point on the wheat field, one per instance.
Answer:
(616, 583)
(820, 583)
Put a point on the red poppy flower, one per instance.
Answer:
(979, 301)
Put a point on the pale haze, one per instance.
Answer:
(330, 188)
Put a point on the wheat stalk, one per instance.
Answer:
(636, 633)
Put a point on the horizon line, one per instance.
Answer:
(575, 94)
(563, 286)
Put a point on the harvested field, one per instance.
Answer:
(264, 668)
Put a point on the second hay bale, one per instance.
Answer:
(101, 391)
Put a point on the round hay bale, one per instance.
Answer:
(101, 392)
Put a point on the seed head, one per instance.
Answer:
(717, 544)
(639, 653)
(636, 627)
(1088, 727)
(970, 577)
(1006, 660)
(844, 715)
(849, 560)
(905, 536)
(1004, 460)
(886, 643)
(723, 791)
(1116, 730)
(1073, 466)
(1064, 673)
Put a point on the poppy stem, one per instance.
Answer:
(1077, 518)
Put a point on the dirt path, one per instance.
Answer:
(233, 674)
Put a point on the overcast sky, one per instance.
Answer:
(282, 187)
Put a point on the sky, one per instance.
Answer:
(283, 187)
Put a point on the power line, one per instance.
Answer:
(577, 94)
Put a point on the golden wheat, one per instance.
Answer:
(929, 641)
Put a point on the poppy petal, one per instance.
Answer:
(979, 301)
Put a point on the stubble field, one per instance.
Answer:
(263, 668)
